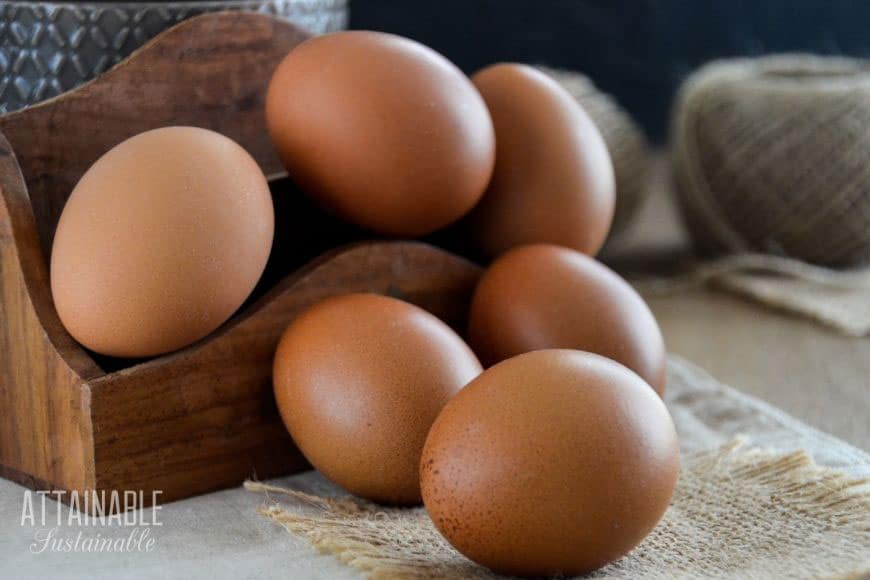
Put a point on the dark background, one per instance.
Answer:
(637, 50)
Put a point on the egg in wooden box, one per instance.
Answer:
(160, 242)
(382, 131)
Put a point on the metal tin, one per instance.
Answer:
(47, 48)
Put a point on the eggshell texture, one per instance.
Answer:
(556, 461)
(382, 130)
(543, 296)
(553, 180)
(160, 242)
(359, 379)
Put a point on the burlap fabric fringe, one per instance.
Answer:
(770, 155)
(738, 510)
(839, 299)
(625, 140)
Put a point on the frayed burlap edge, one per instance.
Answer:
(362, 535)
(337, 527)
(839, 299)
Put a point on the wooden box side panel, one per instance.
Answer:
(209, 71)
(205, 418)
(45, 429)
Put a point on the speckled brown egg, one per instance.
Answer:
(359, 379)
(161, 240)
(381, 130)
(553, 180)
(555, 461)
(543, 296)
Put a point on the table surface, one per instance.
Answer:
(811, 372)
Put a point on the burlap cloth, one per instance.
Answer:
(760, 495)
(839, 299)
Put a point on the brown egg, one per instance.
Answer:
(162, 239)
(359, 379)
(542, 296)
(555, 461)
(553, 180)
(381, 130)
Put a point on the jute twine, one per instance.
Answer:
(771, 155)
(738, 510)
(625, 141)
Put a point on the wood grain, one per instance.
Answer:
(204, 417)
(45, 433)
(210, 71)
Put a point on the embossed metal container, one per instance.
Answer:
(47, 48)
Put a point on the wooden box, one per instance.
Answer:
(202, 418)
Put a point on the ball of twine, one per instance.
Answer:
(773, 155)
(625, 141)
